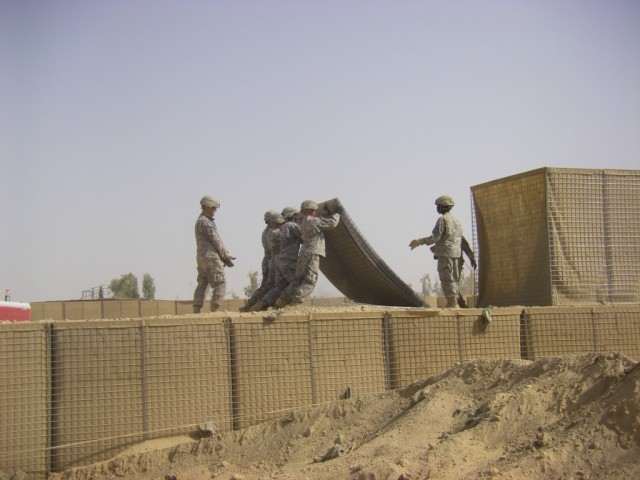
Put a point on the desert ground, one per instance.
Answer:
(574, 417)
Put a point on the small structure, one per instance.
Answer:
(558, 236)
(17, 311)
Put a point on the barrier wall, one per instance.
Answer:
(558, 236)
(79, 392)
(110, 309)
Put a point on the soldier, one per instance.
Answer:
(313, 247)
(211, 256)
(286, 258)
(267, 262)
(447, 238)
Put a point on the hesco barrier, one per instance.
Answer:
(78, 392)
(557, 236)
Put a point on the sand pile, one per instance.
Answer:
(574, 417)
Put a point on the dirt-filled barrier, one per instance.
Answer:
(78, 392)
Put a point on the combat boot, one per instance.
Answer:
(214, 306)
(281, 302)
(196, 309)
(258, 306)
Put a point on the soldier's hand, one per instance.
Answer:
(473, 263)
(229, 261)
(339, 210)
(414, 244)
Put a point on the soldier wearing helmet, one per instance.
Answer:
(211, 256)
(312, 229)
(267, 261)
(446, 238)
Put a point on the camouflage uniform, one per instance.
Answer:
(211, 258)
(308, 263)
(285, 261)
(267, 262)
(447, 237)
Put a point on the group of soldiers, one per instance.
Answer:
(293, 242)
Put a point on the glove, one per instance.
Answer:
(473, 263)
(414, 244)
(339, 210)
(229, 261)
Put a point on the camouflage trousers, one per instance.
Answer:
(210, 273)
(449, 273)
(285, 275)
(307, 270)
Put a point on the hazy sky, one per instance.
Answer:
(116, 117)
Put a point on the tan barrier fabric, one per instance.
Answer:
(355, 268)
(555, 236)
(24, 398)
(97, 391)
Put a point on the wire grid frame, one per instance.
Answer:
(97, 391)
(476, 250)
(348, 355)
(271, 365)
(24, 399)
(593, 227)
(187, 372)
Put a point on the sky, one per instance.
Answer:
(117, 116)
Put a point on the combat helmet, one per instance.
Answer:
(209, 201)
(288, 212)
(308, 205)
(445, 201)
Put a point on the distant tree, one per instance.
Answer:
(148, 287)
(253, 284)
(125, 287)
(427, 287)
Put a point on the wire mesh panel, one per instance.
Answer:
(24, 396)
(494, 334)
(556, 331)
(97, 391)
(577, 236)
(271, 367)
(422, 343)
(348, 356)
(617, 329)
(622, 228)
(186, 375)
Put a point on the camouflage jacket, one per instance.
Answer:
(312, 231)
(208, 241)
(290, 240)
(447, 237)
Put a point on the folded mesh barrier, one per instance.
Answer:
(356, 270)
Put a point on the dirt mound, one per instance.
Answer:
(574, 417)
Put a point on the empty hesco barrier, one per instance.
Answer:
(24, 398)
(354, 268)
(271, 367)
(348, 354)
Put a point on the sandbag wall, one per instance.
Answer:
(78, 392)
